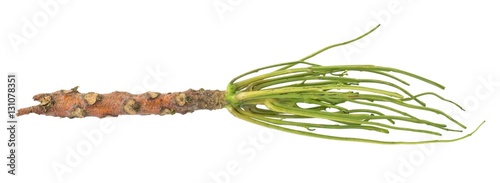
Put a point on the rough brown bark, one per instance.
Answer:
(73, 104)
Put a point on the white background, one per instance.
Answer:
(104, 46)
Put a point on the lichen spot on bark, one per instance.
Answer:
(131, 106)
(180, 99)
(46, 101)
(78, 113)
(165, 111)
(91, 98)
(153, 95)
(74, 89)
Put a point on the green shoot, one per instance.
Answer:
(293, 93)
